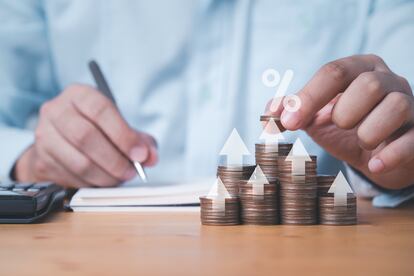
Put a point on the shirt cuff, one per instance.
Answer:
(381, 198)
(13, 143)
(362, 187)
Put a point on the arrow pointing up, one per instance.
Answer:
(340, 188)
(218, 193)
(271, 134)
(258, 180)
(234, 149)
(298, 156)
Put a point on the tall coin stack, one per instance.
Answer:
(267, 158)
(232, 175)
(211, 215)
(262, 208)
(298, 193)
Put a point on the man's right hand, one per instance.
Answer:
(82, 140)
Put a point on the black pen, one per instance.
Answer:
(103, 87)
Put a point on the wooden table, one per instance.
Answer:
(176, 244)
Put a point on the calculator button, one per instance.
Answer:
(7, 185)
(22, 187)
(41, 185)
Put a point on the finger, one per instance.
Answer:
(101, 112)
(362, 95)
(397, 153)
(90, 141)
(153, 151)
(50, 170)
(332, 79)
(153, 157)
(274, 106)
(323, 117)
(390, 115)
(71, 159)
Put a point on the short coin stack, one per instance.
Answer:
(261, 208)
(267, 158)
(265, 119)
(330, 214)
(324, 183)
(211, 215)
(232, 175)
(298, 193)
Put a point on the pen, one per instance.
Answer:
(103, 87)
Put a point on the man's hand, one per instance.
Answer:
(358, 110)
(82, 140)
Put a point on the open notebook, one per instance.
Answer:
(134, 196)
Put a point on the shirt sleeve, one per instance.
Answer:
(390, 35)
(26, 78)
(382, 198)
(362, 186)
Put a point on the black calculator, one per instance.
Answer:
(28, 202)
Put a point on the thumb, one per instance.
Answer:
(144, 150)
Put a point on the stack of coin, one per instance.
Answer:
(231, 176)
(298, 193)
(267, 158)
(324, 183)
(330, 214)
(265, 119)
(211, 215)
(259, 209)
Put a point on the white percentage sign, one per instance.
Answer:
(271, 78)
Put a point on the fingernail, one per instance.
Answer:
(291, 120)
(376, 165)
(130, 173)
(139, 154)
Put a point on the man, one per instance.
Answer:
(187, 72)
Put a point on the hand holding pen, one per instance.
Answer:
(82, 140)
(104, 88)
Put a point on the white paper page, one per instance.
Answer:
(137, 194)
(141, 209)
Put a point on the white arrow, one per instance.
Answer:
(298, 156)
(234, 149)
(258, 180)
(271, 134)
(218, 193)
(340, 188)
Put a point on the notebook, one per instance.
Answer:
(142, 197)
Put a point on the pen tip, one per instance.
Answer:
(140, 171)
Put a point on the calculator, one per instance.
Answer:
(28, 202)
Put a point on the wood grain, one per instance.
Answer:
(176, 244)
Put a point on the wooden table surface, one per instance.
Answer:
(176, 244)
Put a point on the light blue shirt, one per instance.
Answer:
(185, 71)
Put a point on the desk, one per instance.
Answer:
(176, 244)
